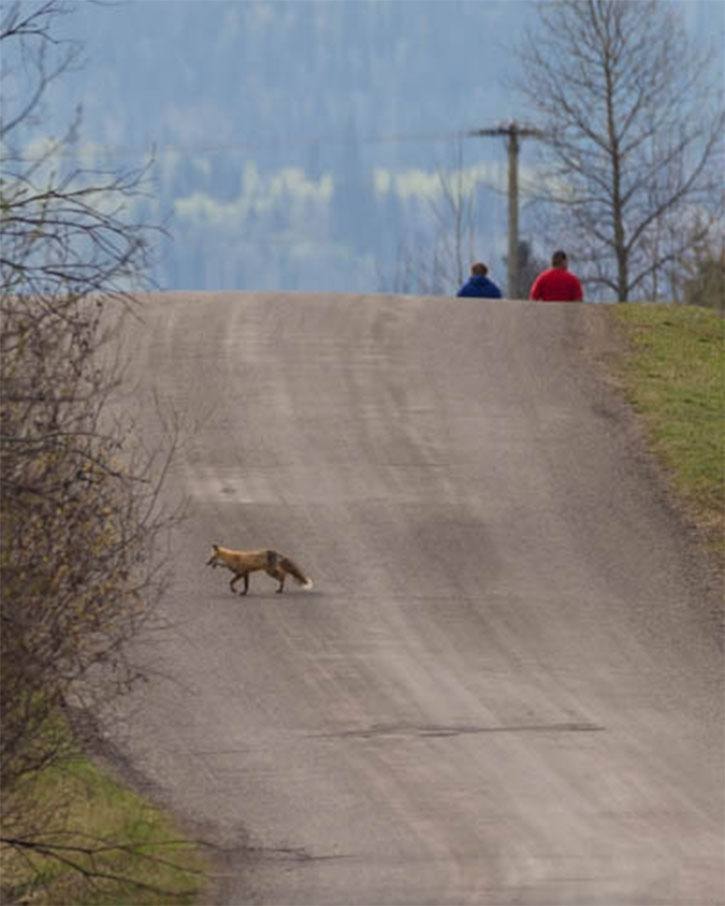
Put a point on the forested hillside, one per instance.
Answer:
(296, 144)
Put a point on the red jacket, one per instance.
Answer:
(556, 285)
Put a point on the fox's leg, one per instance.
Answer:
(237, 577)
(277, 574)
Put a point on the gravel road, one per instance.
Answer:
(506, 685)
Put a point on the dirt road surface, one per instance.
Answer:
(506, 685)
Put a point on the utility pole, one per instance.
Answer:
(513, 132)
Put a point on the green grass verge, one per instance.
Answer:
(132, 852)
(674, 375)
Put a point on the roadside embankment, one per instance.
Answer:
(673, 373)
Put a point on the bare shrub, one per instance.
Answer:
(81, 520)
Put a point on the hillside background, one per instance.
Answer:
(296, 145)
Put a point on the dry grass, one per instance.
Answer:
(674, 375)
(98, 844)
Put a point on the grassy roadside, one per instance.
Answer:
(674, 376)
(132, 853)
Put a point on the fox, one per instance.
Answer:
(242, 563)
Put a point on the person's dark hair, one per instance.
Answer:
(558, 258)
(479, 269)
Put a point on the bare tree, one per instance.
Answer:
(633, 134)
(437, 259)
(454, 215)
(81, 521)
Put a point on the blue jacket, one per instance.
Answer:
(481, 287)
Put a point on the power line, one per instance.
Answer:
(154, 150)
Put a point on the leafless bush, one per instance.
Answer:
(81, 521)
(700, 280)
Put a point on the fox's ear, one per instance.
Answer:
(215, 547)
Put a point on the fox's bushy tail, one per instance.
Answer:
(291, 567)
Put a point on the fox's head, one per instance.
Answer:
(213, 560)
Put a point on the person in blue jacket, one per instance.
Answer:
(479, 285)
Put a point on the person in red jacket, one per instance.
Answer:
(557, 284)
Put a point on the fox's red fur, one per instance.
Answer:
(242, 563)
